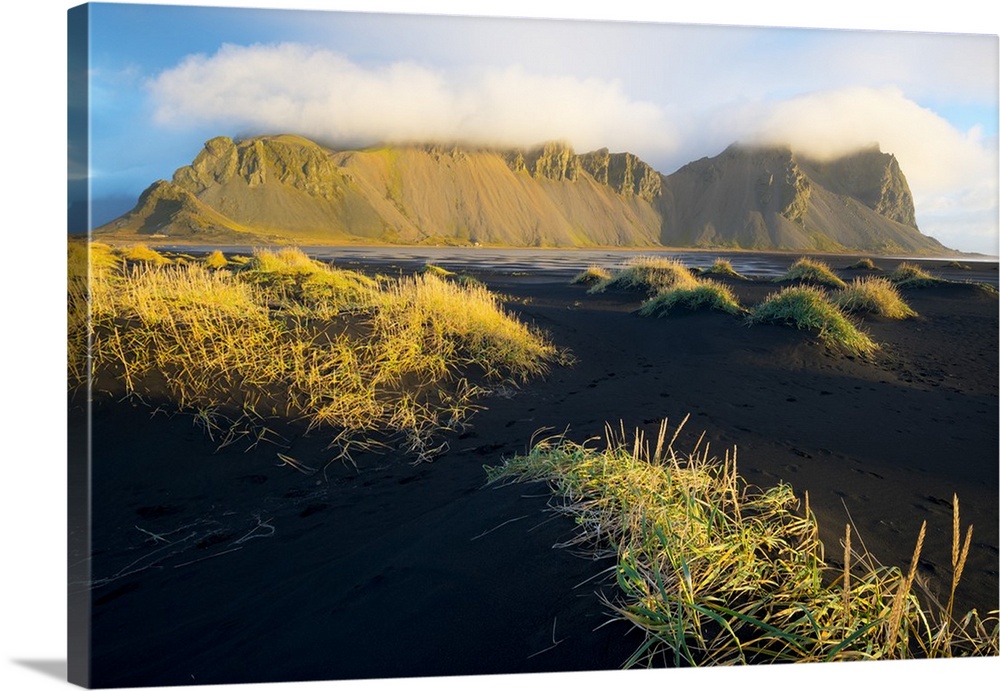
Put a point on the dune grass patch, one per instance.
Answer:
(813, 272)
(873, 295)
(141, 253)
(288, 338)
(704, 294)
(437, 271)
(302, 285)
(809, 307)
(591, 275)
(722, 267)
(864, 264)
(910, 275)
(717, 572)
(445, 274)
(647, 274)
(216, 260)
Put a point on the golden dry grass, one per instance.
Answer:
(873, 295)
(813, 272)
(292, 338)
(648, 274)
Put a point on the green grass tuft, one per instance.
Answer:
(434, 270)
(591, 275)
(723, 267)
(648, 274)
(864, 264)
(705, 294)
(873, 295)
(808, 307)
(718, 573)
(909, 275)
(812, 272)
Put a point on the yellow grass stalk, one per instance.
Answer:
(903, 593)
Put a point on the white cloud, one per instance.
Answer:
(318, 93)
(935, 156)
(947, 170)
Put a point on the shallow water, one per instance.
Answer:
(561, 263)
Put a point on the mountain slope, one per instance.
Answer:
(770, 198)
(288, 189)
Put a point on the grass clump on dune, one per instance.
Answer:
(401, 362)
(216, 260)
(813, 272)
(442, 273)
(704, 294)
(461, 324)
(436, 271)
(295, 282)
(649, 274)
(910, 275)
(864, 264)
(141, 253)
(807, 307)
(722, 267)
(873, 295)
(716, 572)
(591, 275)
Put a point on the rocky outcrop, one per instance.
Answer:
(288, 160)
(772, 198)
(872, 177)
(625, 173)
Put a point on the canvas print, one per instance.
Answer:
(421, 346)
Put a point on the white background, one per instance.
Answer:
(32, 329)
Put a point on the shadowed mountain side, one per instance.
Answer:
(766, 198)
(288, 189)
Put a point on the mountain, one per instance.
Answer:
(289, 189)
(771, 198)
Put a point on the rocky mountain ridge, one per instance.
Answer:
(287, 188)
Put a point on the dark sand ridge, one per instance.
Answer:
(396, 569)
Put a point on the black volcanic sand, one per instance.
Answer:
(226, 566)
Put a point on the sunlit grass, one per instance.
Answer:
(864, 264)
(813, 272)
(703, 295)
(590, 275)
(648, 274)
(216, 260)
(873, 295)
(436, 271)
(808, 307)
(141, 253)
(306, 286)
(910, 275)
(295, 339)
(722, 267)
(717, 572)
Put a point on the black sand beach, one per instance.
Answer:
(226, 566)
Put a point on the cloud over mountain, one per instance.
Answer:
(295, 88)
(344, 102)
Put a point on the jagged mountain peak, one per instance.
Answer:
(748, 196)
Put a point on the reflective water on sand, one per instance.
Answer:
(557, 263)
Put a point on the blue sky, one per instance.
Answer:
(163, 79)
